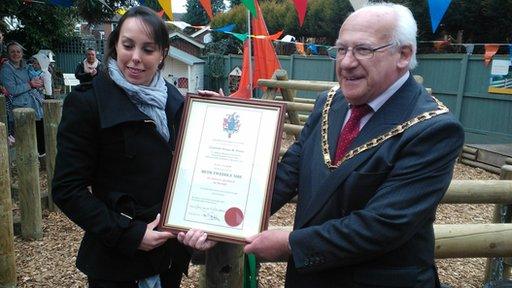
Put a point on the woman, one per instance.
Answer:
(117, 137)
(22, 90)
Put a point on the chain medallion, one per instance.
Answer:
(441, 109)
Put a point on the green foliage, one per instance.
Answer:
(44, 26)
(197, 16)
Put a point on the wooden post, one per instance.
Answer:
(497, 268)
(7, 257)
(288, 95)
(3, 111)
(28, 173)
(52, 114)
(224, 266)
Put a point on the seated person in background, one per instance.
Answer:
(89, 67)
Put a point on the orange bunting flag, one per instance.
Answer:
(244, 89)
(166, 5)
(490, 50)
(160, 13)
(300, 48)
(207, 6)
(265, 58)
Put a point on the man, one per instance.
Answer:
(365, 212)
(88, 69)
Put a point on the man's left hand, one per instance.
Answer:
(270, 245)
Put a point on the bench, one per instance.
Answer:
(69, 81)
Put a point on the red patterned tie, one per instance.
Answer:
(350, 130)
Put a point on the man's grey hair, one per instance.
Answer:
(406, 27)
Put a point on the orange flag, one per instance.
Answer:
(166, 5)
(207, 6)
(490, 50)
(244, 91)
(300, 48)
(265, 58)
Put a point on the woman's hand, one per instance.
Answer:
(208, 93)
(152, 238)
(36, 83)
(196, 239)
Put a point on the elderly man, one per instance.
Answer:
(88, 69)
(369, 168)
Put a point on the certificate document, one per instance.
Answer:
(222, 174)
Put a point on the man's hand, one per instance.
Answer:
(270, 245)
(94, 72)
(153, 238)
(208, 93)
(196, 239)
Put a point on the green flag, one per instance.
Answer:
(250, 5)
(239, 36)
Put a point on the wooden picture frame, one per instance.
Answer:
(223, 169)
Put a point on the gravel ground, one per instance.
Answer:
(50, 261)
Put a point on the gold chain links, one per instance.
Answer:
(441, 109)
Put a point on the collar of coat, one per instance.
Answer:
(115, 107)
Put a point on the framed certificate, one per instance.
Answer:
(223, 170)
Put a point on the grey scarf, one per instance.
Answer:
(149, 99)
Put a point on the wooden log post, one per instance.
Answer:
(288, 95)
(52, 114)
(3, 111)
(224, 266)
(497, 268)
(7, 256)
(28, 173)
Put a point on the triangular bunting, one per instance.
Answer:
(207, 6)
(357, 4)
(250, 5)
(300, 7)
(63, 3)
(160, 13)
(437, 9)
(490, 50)
(166, 5)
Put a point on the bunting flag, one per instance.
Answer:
(300, 7)
(469, 48)
(490, 50)
(357, 4)
(313, 49)
(300, 48)
(166, 5)
(244, 89)
(437, 9)
(207, 6)
(250, 5)
(160, 13)
(265, 58)
(227, 28)
(63, 3)
(239, 36)
(121, 11)
(272, 37)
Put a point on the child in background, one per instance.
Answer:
(39, 69)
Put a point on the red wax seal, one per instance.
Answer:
(233, 216)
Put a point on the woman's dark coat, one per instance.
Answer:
(105, 143)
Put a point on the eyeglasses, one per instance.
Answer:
(359, 52)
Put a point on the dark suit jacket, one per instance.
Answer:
(105, 142)
(368, 223)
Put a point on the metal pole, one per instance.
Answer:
(250, 49)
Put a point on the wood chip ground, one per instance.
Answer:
(50, 262)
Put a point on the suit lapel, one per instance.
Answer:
(396, 110)
(337, 114)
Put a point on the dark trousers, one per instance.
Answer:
(169, 279)
(40, 137)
